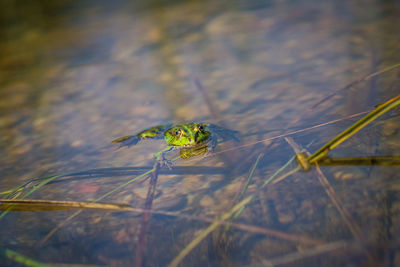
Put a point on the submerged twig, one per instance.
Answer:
(365, 78)
(228, 159)
(312, 252)
(286, 134)
(208, 230)
(305, 240)
(348, 219)
(142, 240)
(347, 87)
(211, 107)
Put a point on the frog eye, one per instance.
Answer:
(201, 127)
(179, 133)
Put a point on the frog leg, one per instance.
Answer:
(156, 132)
(212, 144)
(131, 140)
(128, 140)
(159, 156)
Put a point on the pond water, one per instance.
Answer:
(74, 75)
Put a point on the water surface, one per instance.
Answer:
(76, 75)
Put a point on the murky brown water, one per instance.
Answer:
(76, 75)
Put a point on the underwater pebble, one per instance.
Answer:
(285, 218)
(141, 192)
(390, 128)
(393, 142)
(397, 259)
(190, 182)
(395, 187)
(222, 24)
(123, 236)
(307, 207)
(232, 188)
(154, 35)
(268, 248)
(206, 201)
(77, 143)
(346, 175)
(188, 112)
(22, 149)
(128, 198)
(39, 122)
(170, 204)
(96, 220)
(87, 188)
(94, 118)
(165, 77)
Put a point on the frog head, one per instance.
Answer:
(189, 134)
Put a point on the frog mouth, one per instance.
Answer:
(195, 144)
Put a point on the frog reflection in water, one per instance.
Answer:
(193, 139)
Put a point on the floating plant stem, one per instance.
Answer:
(379, 111)
(44, 239)
(366, 161)
(144, 226)
(48, 205)
(251, 174)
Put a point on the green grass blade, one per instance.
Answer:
(19, 258)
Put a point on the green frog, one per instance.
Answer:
(193, 138)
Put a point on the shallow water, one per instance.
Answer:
(76, 75)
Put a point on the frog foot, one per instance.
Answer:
(166, 163)
(162, 161)
(159, 156)
(212, 145)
